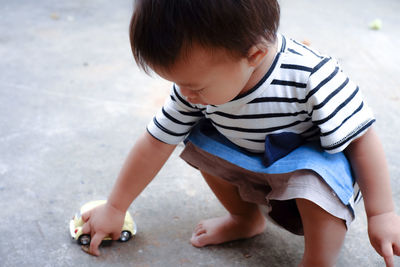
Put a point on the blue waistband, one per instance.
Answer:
(333, 168)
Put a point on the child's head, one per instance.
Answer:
(161, 29)
(208, 34)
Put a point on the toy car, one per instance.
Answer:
(75, 225)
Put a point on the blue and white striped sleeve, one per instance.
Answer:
(175, 119)
(336, 106)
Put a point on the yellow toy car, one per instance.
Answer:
(75, 225)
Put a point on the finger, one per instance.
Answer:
(95, 242)
(396, 249)
(116, 235)
(86, 229)
(387, 254)
(86, 216)
(389, 261)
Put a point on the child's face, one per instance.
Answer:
(209, 77)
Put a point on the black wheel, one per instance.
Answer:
(84, 239)
(125, 236)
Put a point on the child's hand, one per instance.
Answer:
(102, 221)
(384, 234)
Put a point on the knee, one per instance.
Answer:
(323, 235)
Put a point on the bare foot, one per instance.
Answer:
(227, 228)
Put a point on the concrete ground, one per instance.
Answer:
(72, 102)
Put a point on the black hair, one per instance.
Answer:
(160, 29)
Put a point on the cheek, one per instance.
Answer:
(228, 83)
(225, 90)
(237, 78)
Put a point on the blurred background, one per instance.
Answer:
(72, 103)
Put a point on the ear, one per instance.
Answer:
(256, 54)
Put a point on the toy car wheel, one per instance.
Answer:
(125, 236)
(84, 240)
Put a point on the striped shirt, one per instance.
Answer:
(303, 92)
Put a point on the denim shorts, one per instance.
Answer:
(307, 173)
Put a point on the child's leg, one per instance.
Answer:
(243, 221)
(323, 235)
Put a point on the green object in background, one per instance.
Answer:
(376, 24)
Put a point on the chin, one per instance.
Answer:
(197, 102)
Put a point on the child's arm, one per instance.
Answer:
(368, 162)
(144, 161)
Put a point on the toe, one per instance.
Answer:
(198, 227)
(199, 240)
(199, 232)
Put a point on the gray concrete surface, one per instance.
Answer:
(72, 102)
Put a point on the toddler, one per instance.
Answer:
(267, 121)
